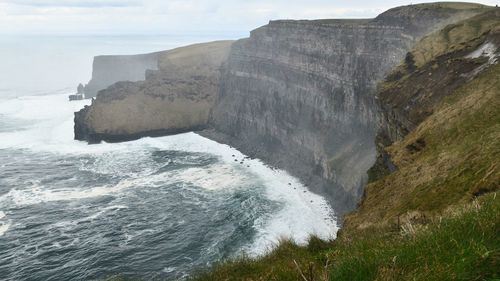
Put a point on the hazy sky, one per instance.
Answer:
(171, 16)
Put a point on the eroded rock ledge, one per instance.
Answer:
(174, 99)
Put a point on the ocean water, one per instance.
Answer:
(151, 208)
(155, 208)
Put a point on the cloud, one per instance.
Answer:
(74, 3)
(168, 16)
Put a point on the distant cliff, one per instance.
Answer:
(107, 70)
(173, 99)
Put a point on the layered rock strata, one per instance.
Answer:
(300, 94)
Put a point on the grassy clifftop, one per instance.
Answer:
(437, 216)
(461, 246)
(454, 36)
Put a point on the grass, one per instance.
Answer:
(464, 246)
(454, 36)
(459, 160)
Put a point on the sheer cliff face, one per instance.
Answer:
(174, 99)
(107, 70)
(299, 94)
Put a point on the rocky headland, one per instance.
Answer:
(175, 98)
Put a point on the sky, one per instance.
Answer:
(173, 16)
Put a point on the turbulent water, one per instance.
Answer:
(151, 208)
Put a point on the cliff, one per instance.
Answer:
(176, 98)
(436, 214)
(107, 70)
(297, 94)
(300, 94)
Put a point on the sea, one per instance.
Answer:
(155, 208)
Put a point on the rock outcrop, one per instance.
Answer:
(107, 70)
(176, 98)
(300, 94)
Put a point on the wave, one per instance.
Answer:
(4, 226)
(300, 215)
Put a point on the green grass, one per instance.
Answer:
(464, 246)
(454, 36)
(464, 142)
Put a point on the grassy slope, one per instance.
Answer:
(453, 36)
(412, 224)
(464, 246)
(460, 159)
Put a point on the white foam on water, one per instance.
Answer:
(169, 269)
(104, 210)
(38, 194)
(51, 130)
(4, 226)
(302, 213)
(214, 177)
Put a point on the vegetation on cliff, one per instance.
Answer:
(436, 217)
(454, 36)
(463, 246)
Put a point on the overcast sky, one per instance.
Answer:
(173, 16)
